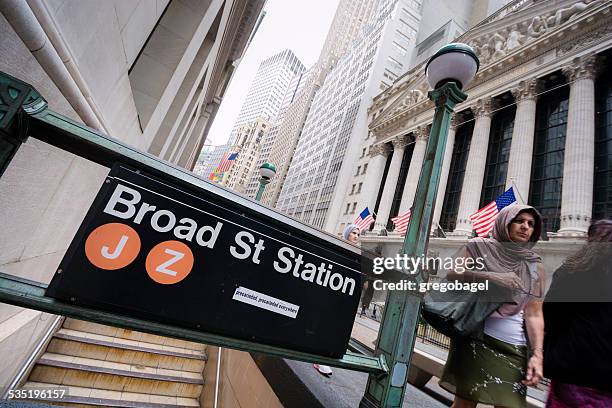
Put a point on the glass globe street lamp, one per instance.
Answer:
(266, 171)
(448, 72)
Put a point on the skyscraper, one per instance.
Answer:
(295, 88)
(268, 89)
(349, 19)
(337, 121)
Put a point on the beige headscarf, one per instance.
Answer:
(500, 254)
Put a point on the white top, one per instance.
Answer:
(508, 329)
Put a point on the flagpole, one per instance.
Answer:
(517, 190)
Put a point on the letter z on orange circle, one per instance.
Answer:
(169, 262)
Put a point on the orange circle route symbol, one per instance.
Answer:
(112, 246)
(169, 262)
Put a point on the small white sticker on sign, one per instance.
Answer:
(270, 303)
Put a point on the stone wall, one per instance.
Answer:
(241, 384)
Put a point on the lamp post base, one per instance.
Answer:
(262, 186)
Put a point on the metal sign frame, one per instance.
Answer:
(24, 113)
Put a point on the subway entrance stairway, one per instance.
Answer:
(112, 367)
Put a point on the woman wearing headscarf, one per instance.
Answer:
(578, 321)
(351, 234)
(496, 366)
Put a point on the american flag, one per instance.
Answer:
(401, 222)
(364, 220)
(226, 162)
(484, 219)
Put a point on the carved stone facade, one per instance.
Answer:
(380, 149)
(581, 68)
(525, 90)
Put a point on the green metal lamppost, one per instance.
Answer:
(448, 71)
(266, 171)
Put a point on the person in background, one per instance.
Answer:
(351, 234)
(497, 368)
(366, 298)
(578, 325)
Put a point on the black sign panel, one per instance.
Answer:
(195, 259)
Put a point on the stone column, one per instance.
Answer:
(376, 167)
(521, 150)
(448, 156)
(474, 170)
(384, 208)
(578, 164)
(421, 135)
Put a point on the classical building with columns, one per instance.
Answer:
(538, 118)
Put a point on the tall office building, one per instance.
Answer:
(295, 88)
(349, 19)
(248, 147)
(268, 89)
(337, 121)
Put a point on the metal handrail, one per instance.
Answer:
(30, 294)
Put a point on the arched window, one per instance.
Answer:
(548, 155)
(602, 188)
(461, 150)
(494, 182)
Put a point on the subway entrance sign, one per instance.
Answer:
(192, 258)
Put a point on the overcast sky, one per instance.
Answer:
(295, 24)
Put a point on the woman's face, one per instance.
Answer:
(521, 228)
(354, 236)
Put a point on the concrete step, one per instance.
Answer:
(89, 397)
(120, 350)
(107, 375)
(95, 328)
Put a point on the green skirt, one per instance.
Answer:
(488, 371)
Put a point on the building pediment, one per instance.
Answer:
(512, 31)
(502, 41)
